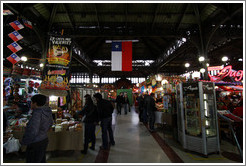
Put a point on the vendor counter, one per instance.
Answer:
(63, 140)
(163, 118)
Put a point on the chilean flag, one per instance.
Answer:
(15, 36)
(27, 23)
(121, 56)
(16, 25)
(13, 58)
(14, 47)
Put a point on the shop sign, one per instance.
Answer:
(227, 72)
(190, 87)
(56, 71)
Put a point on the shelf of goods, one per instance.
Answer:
(65, 135)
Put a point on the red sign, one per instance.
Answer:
(227, 72)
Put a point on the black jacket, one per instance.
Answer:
(119, 99)
(149, 103)
(90, 113)
(105, 109)
(125, 100)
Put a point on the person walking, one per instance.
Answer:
(126, 103)
(119, 101)
(90, 121)
(35, 136)
(105, 110)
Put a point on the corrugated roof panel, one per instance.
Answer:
(81, 7)
(43, 10)
(110, 7)
(208, 10)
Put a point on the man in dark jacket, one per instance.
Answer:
(90, 120)
(141, 106)
(119, 101)
(105, 110)
(150, 106)
(35, 136)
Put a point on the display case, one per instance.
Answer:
(197, 117)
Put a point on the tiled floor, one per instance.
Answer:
(134, 144)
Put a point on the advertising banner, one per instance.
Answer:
(56, 72)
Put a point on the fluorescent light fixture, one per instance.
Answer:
(110, 41)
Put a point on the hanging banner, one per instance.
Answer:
(56, 70)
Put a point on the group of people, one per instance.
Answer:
(101, 111)
(122, 101)
(35, 136)
(147, 108)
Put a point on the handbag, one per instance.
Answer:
(12, 145)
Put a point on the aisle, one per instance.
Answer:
(134, 143)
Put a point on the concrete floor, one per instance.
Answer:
(134, 144)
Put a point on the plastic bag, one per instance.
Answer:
(12, 145)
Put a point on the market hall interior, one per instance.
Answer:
(135, 144)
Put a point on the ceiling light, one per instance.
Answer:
(202, 70)
(187, 65)
(225, 58)
(24, 59)
(240, 59)
(184, 39)
(201, 58)
(41, 65)
(207, 64)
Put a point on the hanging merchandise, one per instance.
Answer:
(56, 74)
(16, 25)
(8, 83)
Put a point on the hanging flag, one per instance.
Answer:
(16, 25)
(27, 23)
(14, 47)
(15, 36)
(13, 58)
(121, 56)
(7, 12)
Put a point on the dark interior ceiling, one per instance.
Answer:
(215, 28)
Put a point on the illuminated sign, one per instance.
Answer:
(225, 72)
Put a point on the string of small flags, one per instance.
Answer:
(16, 36)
